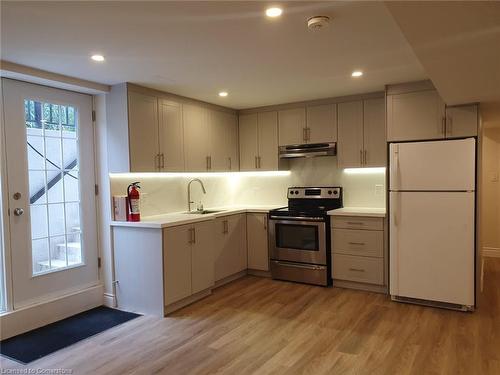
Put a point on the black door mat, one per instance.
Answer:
(35, 344)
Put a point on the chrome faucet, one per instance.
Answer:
(189, 191)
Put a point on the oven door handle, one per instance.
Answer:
(284, 218)
(303, 266)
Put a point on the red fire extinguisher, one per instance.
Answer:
(133, 202)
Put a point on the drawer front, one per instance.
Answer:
(360, 269)
(358, 242)
(358, 222)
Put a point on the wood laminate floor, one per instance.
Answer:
(260, 326)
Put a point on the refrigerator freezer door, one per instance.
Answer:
(431, 166)
(432, 246)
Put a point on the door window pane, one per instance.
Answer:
(53, 148)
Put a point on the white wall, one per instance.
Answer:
(167, 193)
(491, 189)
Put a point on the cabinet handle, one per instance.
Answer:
(208, 162)
(361, 157)
(190, 241)
(443, 125)
(357, 269)
(355, 223)
(365, 153)
(194, 235)
(308, 134)
(304, 134)
(259, 158)
(230, 164)
(357, 243)
(162, 160)
(265, 223)
(157, 161)
(449, 125)
(256, 167)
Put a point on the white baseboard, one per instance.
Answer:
(491, 252)
(25, 319)
(109, 300)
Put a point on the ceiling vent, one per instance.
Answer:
(318, 22)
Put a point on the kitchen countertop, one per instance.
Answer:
(179, 218)
(358, 211)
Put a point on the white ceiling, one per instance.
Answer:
(458, 44)
(197, 49)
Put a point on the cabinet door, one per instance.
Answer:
(374, 140)
(248, 137)
(203, 256)
(257, 245)
(268, 141)
(224, 147)
(292, 124)
(350, 137)
(143, 132)
(415, 116)
(228, 261)
(197, 138)
(171, 136)
(461, 121)
(220, 248)
(322, 123)
(177, 263)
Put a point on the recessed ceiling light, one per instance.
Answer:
(223, 93)
(357, 73)
(98, 58)
(274, 12)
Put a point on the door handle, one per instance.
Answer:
(18, 211)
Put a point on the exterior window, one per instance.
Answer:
(53, 168)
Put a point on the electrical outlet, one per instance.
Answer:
(379, 189)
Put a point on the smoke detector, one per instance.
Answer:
(318, 22)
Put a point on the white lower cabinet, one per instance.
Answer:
(188, 258)
(257, 237)
(230, 245)
(358, 252)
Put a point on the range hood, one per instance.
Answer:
(308, 150)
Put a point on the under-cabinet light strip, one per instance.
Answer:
(200, 174)
(379, 170)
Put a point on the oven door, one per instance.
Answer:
(297, 240)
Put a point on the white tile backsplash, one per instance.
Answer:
(167, 193)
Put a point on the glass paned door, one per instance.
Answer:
(52, 149)
(50, 168)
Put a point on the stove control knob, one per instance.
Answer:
(291, 192)
(296, 192)
(329, 192)
(335, 192)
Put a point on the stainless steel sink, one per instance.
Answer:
(204, 212)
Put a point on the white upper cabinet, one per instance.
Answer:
(171, 136)
(374, 139)
(249, 141)
(268, 141)
(197, 138)
(321, 123)
(416, 115)
(258, 135)
(292, 126)
(361, 134)
(461, 121)
(350, 134)
(224, 145)
(143, 132)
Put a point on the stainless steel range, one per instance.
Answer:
(299, 235)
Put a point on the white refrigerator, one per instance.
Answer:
(432, 222)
